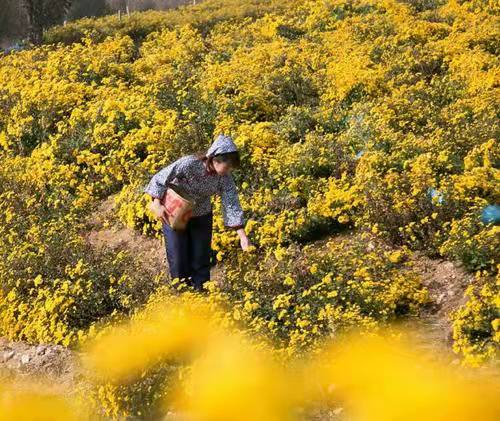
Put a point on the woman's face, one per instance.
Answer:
(222, 168)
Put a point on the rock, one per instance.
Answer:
(40, 350)
(7, 355)
(448, 266)
(338, 411)
(440, 298)
(25, 359)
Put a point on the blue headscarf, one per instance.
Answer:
(222, 144)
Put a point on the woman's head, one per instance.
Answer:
(224, 163)
(222, 156)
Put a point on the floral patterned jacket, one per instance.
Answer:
(190, 175)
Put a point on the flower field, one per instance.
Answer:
(371, 124)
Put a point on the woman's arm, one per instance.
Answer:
(231, 209)
(159, 183)
(244, 241)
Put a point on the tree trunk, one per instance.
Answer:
(35, 30)
(35, 34)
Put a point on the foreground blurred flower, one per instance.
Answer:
(382, 378)
(234, 381)
(169, 331)
(24, 405)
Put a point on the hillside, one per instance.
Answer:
(368, 132)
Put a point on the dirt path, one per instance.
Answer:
(54, 365)
(446, 282)
(105, 231)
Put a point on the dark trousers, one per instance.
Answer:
(189, 251)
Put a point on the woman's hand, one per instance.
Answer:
(159, 210)
(244, 241)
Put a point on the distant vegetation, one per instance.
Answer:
(15, 19)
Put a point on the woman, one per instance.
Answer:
(199, 176)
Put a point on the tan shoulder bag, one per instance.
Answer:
(179, 209)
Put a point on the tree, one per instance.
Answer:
(12, 21)
(42, 14)
(82, 8)
(118, 4)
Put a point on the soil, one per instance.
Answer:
(54, 365)
(446, 282)
(104, 231)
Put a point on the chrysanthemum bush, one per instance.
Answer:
(379, 115)
(295, 297)
(55, 286)
(476, 325)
